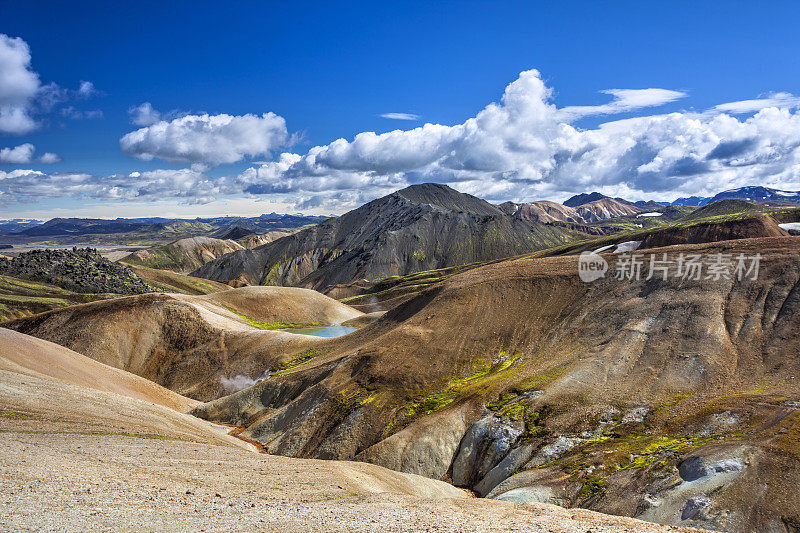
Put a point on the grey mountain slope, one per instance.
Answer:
(418, 228)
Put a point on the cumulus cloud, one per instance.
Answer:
(18, 86)
(18, 155)
(187, 185)
(400, 116)
(213, 139)
(48, 158)
(22, 94)
(144, 114)
(525, 148)
(23, 154)
(86, 89)
(521, 148)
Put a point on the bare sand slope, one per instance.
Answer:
(30, 356)
(190, 344)
(86, 483)
(76, 458)
(283, 304)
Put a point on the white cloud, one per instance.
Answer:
(18, 155)
(189, 186)
(144, 114)
(49, 158)
(86, 89)
(521, 148)
(785, 100)
(18, 86)
(22, 95)
(400, 116)
(525, 148)
(625, 100)
(213, 139)
(23, 154)
(77, 114)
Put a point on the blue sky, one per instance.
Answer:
(331, 70)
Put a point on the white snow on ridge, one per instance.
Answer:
(790, 226)
(655, 214)
(627, 246)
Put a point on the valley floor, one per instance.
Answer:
(72, 482)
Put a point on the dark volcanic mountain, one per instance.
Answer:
(584, 198)
(418, 228)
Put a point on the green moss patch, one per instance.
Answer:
(482, 378)
(292, 365)
(272, 325)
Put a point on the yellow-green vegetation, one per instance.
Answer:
(630, 452)
(158, 257)
(645, 450)
(13, 415)
(539, 380)
(483, 377)
(787, 434)
(347, 400)
(674, 399)
(272, 325)
(394, 286)
(292, 365)
(271, 277)
(515, 405)
(592, 486)
(91, 433)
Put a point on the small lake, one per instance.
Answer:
(323, 331)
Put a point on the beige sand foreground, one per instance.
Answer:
(76, 458)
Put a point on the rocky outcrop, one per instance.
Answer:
(487, 442)
(81, 270)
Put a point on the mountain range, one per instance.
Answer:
(418, 228)
(145, 230)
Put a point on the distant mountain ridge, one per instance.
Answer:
(69, 226)
(584, 198)
(755, 193)
(418, 228)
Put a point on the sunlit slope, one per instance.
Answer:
(601, 390)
